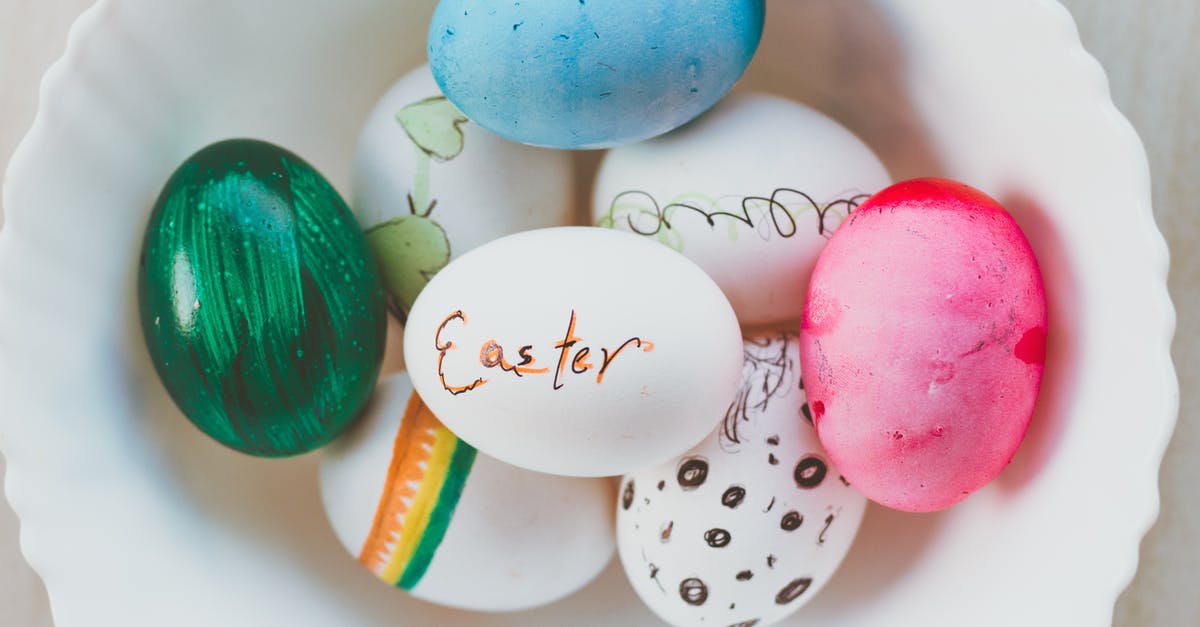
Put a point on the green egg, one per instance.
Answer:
(260, 303)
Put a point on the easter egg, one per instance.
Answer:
(754, 223)
(590, 74)
(749, 525)
(425, 512)
(429, 185)
(259, 302)
(923, 343)
(574, 350)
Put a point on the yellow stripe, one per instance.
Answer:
(417, 516)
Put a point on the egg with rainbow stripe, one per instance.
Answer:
(425, 512)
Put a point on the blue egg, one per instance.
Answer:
(590, 73)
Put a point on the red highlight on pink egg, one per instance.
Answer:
(923, 343)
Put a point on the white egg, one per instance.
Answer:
(427, 513)
(575, 350)
(751, 192)
(746, 527)
(429, 185)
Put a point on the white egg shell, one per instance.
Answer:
(746, 527)
(419, 159)
(512, 538)
(750, 191)
(575, 350)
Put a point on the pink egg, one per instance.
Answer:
(923, 343)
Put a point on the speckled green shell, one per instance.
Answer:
(261, 306)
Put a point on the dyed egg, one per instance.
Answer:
(430, 185)
(590, 74)
(259, 301)
(923, 343)
(748, 526)
(427, 513)
(574, 350)
(754, 224)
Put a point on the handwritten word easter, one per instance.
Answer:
(574, 358)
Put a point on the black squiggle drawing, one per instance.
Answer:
(825, 529)
(766, 374)
(782, 220)
(653, 571)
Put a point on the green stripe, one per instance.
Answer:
(456, 477)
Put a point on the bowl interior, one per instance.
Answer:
(152, 82)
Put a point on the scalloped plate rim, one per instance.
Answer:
(21, 480)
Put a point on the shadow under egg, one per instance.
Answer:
(842, 58)
(889, 544)
(270, 504)
(1059, 379)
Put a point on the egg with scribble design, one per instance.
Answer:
(749, 525)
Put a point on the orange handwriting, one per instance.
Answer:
(445, 348)
(572, 356)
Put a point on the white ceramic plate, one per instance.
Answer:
(133, 518)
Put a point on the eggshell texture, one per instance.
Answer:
(429, 185)
(590, 74)
(754, 224)
(575, 350)
(749, 525)
(923, 343)
(425, 512)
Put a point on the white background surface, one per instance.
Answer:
(1151, 50)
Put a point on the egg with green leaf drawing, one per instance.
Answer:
(412, 248)
(429, 185)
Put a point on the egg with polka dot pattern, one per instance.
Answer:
(750, 524)
(427, 513)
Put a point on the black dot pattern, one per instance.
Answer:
(693, 591)
(692, 473)
(717, 538)
(810, 472)
(793, 590)
(772, 451)
(733, 496)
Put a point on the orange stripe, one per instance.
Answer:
(413, 446)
